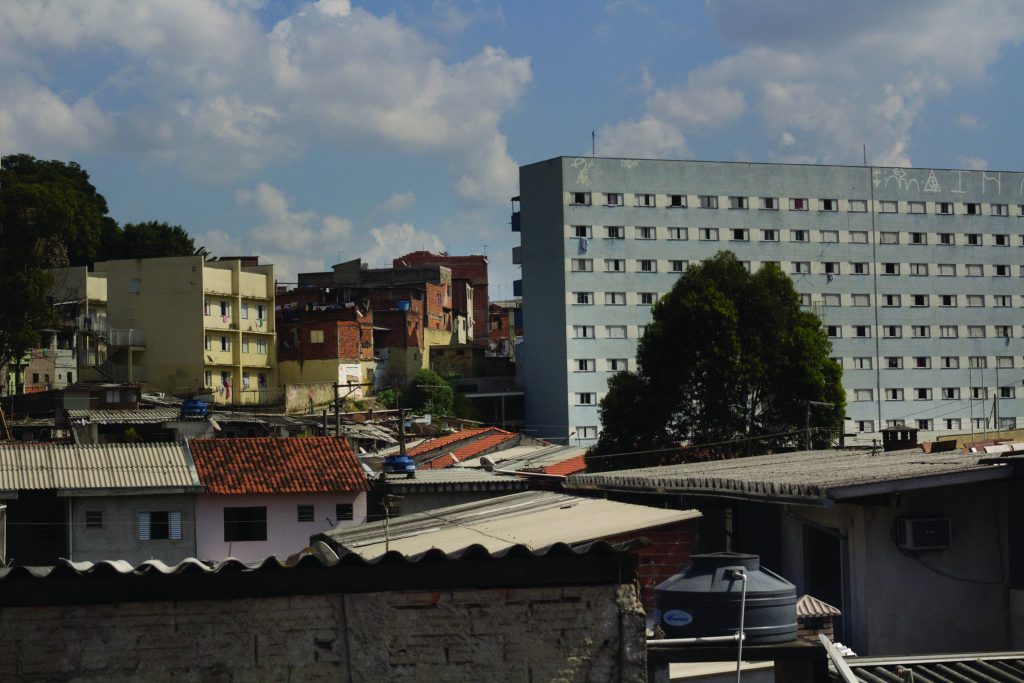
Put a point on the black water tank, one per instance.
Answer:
(705, 600)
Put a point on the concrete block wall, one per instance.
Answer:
(574, 633)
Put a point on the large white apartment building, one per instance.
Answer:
(916, 275)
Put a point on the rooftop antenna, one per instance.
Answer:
(593, 143)
(865, 149)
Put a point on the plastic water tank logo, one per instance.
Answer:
(677, 617)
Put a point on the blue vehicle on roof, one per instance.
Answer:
(194, 409)
(400, 464)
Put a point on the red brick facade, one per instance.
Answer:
(670, 553)
(472, 268)
(334, 334)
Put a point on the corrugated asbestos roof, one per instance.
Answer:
(985, 667)
(158, 415)
(811, 607)
(316, 464)
(69, 467)
(804, 476)
(534, 519)
(455, 479)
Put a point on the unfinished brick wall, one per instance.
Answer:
(574, 633)
(669, 552)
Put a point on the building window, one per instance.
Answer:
(890, 269)
(208, 378)
(922, 362)
(581, 232)
(948, 331)
(343, 512)
(648, 298)
(857, 205)
(245, 311)
(644, 200)
(888, 238)
(920, 331)
(645, 233)
(977, 362)
(946, 239)
(830, 299)
(1004, 331)
(159, 526)
(677, 201)
(950, 393)
(894, 394)
(769, 235)
(891, 300)
(737, 202)
(858, 237)
(975, 331)
(862, 363)
(831, 267)
(582, 265)
(865, 425)
(798, 204)
(206, 343)
(615, 265)
(647, 265)
(617, 364)
(973, 239)
(586, 398)
(206, 307)
(862, 331)
(708, 234)
(892, 331)
(950, 362)
(94, 519)
(581, 198)
(972, 208)
(614, 232)
(708, 201)
(612, 199)
(261, 346)
(584, 298)
(922, 394)
(1006, 392)
(828, 205)
(979, 393)
(801, 267)
(583, 331)
(615, 331)
(224, 344)
(919, 300)
(861, 299)
(834, 331)
(1004, 362)
(304, 513)
(944, 208)
(918, 238)
(223, 309)
(588, 432)
(893, 362)
(924, 424)
(916, 207)
(770, 203)
(677, 266)
(953, 423)
(887, 207)
(739, 235)
(1001, 240)
(918, 269)
(805, 299)
(975, 300)
(947, 269)
(863, 395)
(799, 235)
(316, 336)
(245, 524)
(830, 236)
(614, 298)
(1002, 270)
(678, 234)
(585, 365)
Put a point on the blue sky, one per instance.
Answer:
(309, 132)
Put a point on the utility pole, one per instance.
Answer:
(807, 437)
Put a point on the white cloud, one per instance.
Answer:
(968, 122)
(393, 239)
(37, 119)
(202, 84)
(647, 138)
(973, 163)
(400, 201)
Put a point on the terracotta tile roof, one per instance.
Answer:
(470, 450)
(567, 467)
(446, 440)
(273, 465)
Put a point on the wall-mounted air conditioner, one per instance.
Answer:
(924, 533)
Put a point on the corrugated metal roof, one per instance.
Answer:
(984, 667)
(158, 415)
(455, 479)
(69, 467)
(811, 607)
(534, 519)
(806, 476)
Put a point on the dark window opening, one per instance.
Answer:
(245, 524)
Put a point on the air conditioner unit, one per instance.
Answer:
(923, 533)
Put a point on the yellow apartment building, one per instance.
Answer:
(209, 325)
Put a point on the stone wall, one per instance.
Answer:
(570, 633)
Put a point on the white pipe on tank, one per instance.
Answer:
(699, 639)
(740, 635)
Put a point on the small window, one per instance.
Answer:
(1001, 240)
(805, 299)
(585, 365)
(924, 424)
(157, 526)
(977, 362)
(613, 199)
(582, 265)
(677, 266)
(738, 235)
(615, 331)
(770, 203)
(889, 238)
(614, 232)
(583, 331)
(737, 202)
(94, 519)
(304, 513)
(615, 265)
(894, 362)
(857, 205)
(343, 512)
(916, 207)
(1001, 270)
(972, 208)
(860, 268)
(862, 363)
(979, 392)
(947, 300)
(974, 300)
(858, 237)
(617, 365)
(919, 269)
(799, 235)
(798, 204)
(830, 236)
(206, 308)
(861, 299)
(920, 331)
(708, 234)
(801, 267)
(974, 270)
(862, 331)
(863, 395)
(224, 344)
(922, 394)
(834, 331)
(1004, 362)
(944, 208)
(614, 298)
(647, 265)
(919, 300)
(890, 269)
(245, 524)
(953, 423)
(950, 393)
(891, 300)
(951, 362)
(946, 239)
(895, 394)
(584, 298)
(887, 207)
(770, 235)
(828, 205)
(316, 336)
(865, 425)
(973, 239)
(919, 238)
(678, 233)
(1002, 301)
(677, 201)
(892, 331)
(708, 201)
(245, 311)
(1006, 392)
(830, 300)
(587, 432)
(648, 298)
(831, 267)
(581, 198)
(645, 233)
(1004, 331)
(922, 362)
(643, 200)
(947, 269)
(581, 232)
(586, 398)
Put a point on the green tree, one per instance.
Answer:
(728, 355)
(428, 392)
(150, 240)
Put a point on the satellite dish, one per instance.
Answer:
(214, 424)
(487, 463)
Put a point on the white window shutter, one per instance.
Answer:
(143, 526)
(174, 522)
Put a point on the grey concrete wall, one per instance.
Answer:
(118, 539)
(592, 633)
(953, 600)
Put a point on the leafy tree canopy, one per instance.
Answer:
(728, 355)
(428, 392)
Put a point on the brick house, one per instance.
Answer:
(469, 279)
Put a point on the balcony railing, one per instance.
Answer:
(128, 337)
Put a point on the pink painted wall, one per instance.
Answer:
(285, 534)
